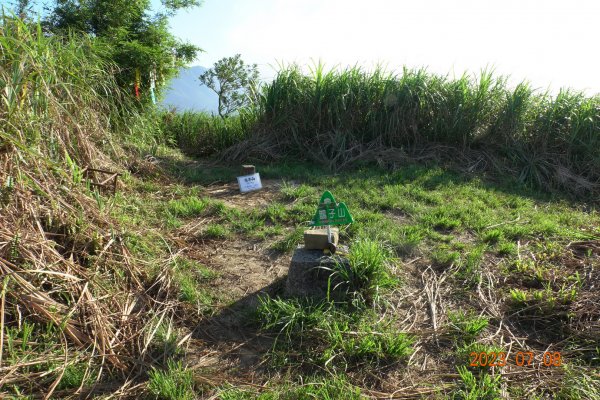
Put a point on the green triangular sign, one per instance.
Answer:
(331, 213)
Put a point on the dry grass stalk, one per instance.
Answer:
(61, 263)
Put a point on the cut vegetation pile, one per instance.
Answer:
(74, 306)
(342, 117)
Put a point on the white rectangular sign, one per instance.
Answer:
(249, 183)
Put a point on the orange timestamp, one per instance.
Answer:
(520, 359)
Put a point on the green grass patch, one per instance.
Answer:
(466, 327)
(291, 317)
(367, 271)
(289, 241)
(174, 383)
(189, 277)
(334, 388)
(371, 343)
(291, 191)
(215, 231)
(477, 386)
(329, 336)
(187, 207)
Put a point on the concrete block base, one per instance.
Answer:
(309, 273)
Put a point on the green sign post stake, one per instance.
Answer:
(331, 213)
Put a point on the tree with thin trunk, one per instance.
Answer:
(233, 81)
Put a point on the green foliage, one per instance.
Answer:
(174, 383)
(466, 327)
(372, 344)
(444, 256)
(187, 207)
(492, 236)
(507, 249)
(29, 340)
(275, 212)
(367, 272)
(216, 231)
(442, 219)
(234, 82)
(200, 134)
(6, 191)
(580, 383)
(469, 265)
(59, 93)
(15, 334)
(343, 117)
(518, 297)
(22, 8)
(174, 5)
(551, 142)
(74, 376)
(408, 239)
(135, 39)
(188, 276)
(296, 192)
(330, 335)
(290, 241)
(477, 387)
(334, 388)
(289, 317)
(548, 301)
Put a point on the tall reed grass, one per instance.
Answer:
(71, 293)
(339, 117)
(202, 134)
(57, 93)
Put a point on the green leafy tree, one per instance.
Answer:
(134, 38)
(233, 81)
(22, 8)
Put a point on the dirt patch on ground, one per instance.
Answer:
(226, 342)
(230, 341)
(229, 194)
(398, 216)
(244, 267)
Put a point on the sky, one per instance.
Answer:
(552, 44)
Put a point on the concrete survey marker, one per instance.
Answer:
(311, 269)
(309, 273)
(318, 239)
(331, 213)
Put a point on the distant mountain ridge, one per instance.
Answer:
(185, 93)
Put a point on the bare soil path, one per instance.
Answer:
(227, 344)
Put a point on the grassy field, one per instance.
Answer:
(444, 265)
(476, 237)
